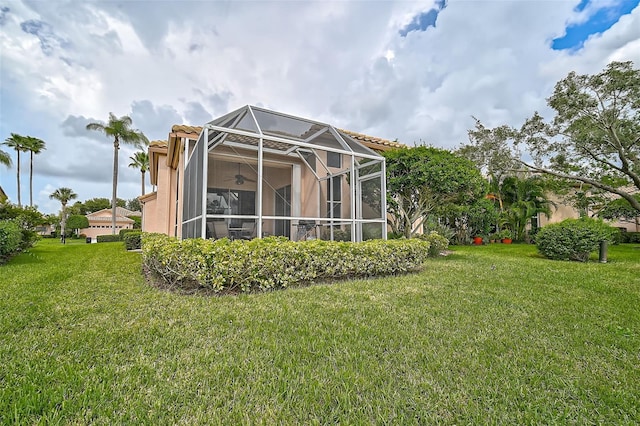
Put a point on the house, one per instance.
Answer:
(255, 172)
(562, 210)
(100, 222)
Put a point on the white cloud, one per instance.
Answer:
(165, 62)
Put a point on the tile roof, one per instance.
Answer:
(120, 212)
(370, 141)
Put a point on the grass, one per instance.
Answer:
(487, 335)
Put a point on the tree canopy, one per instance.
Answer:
(423, 181)
(594, 137)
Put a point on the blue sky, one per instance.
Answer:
(599, 22)
(416, 71)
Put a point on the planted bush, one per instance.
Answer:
(437, 243)
(274, 262)
(10, 239)
(132, 240)
(124, 232)
(573, 239)
(108, 238)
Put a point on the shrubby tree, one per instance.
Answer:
(423, 181)
(77, 222)
(26, 219)
(134, 205)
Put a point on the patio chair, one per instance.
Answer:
(248, 230)
(220, 229)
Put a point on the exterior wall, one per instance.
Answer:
(159, 213)
(563, 211)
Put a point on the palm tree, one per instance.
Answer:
(121, 131)
(140, 160)
(64, 195)
(34, 146)
(523, 198)
(5, 160)
(16, 142)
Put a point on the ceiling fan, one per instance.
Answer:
(240, 178)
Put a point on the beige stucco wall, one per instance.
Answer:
(563, 211)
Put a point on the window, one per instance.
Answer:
(231, 202)
(334, 159)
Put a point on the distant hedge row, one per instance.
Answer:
(628, 237)
(274, 262)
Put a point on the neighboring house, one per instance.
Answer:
(100, 222)
(256, 172)
(563, 210)
(45, 230)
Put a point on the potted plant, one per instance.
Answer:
(505, 236)
(478, 239)
(495, 237)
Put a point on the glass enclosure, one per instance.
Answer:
(256, 173)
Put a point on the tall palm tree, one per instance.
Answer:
(34, 146)
(140, 160)
(64, 195)
(121, 131)
(16, 142)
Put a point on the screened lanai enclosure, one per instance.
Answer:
(254, 173)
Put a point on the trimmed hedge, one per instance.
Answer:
(274, 262)
(10, 239)
(133, 240)
(573, 239)
(108, 238)
(629, 237)
(124, 232)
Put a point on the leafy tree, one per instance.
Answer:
(134, 205)
(5, 158)
(594, 137)
(621, 209)
(140, 160)
(122, 132)
(16, 142)
(34, 146)
(77, 222)
(26, 218)
(64, 195)
(424, 180)
(96, 204)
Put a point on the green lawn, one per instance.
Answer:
(488, 335)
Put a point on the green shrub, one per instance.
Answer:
(132, 240)
(108, 238)
(124, 232)
(629, 237)
(274, 262)
(573, 239)
(437, 243)
(11, 240)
